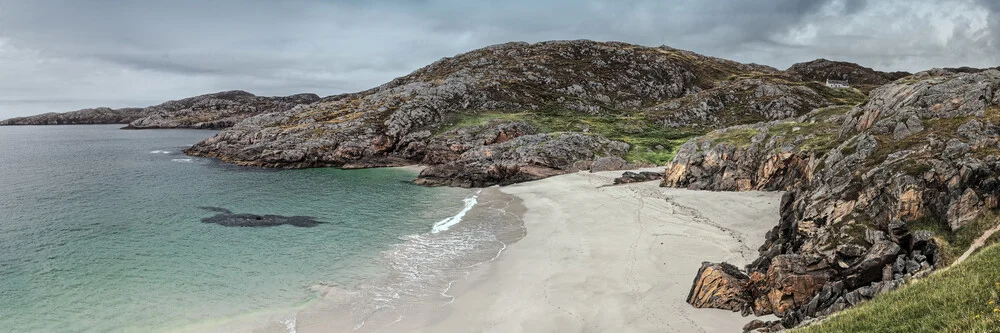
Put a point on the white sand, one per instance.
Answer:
(602, 258)
(596, 258)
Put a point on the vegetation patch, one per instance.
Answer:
(739, 137)
(965, 298)
(648, 141)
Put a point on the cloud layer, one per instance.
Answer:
(61, 55)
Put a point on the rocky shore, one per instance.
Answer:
(876, 194)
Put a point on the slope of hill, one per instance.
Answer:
(863, 77)
(518, 111)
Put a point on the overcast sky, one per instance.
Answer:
(62, 55)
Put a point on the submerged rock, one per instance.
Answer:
(227, 218)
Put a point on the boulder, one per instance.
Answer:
(869, 268)
(634, 177)
(608, 164)
(719, 286)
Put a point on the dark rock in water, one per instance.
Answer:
(227, 218)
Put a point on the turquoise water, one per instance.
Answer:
(100, 230)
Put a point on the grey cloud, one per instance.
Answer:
(92, 53)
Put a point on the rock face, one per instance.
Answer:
(212, 111)
(862, 182)
(510, 152)
(743, 100)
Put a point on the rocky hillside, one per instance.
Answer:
(212, 111)
(518, 111)
(877, 194)
(822, 69)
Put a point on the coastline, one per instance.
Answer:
(603, 258)
(570, 253)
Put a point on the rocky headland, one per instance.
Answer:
(517, 112)
(211, 111)
(877, 194)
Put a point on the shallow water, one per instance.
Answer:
(100, 230)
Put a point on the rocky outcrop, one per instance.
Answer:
(864, 193)
(510, 152)
(212, 111)
(822, 69)
(389, 123)
(742, 100)
(565, 99)
(638, 177)
(720, 286)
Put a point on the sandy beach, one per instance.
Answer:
(590, 257)
(599, 258)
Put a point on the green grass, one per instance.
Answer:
(849, 96)
(964, 298)
(642, 134)
(818, 137)
(954, 243)
(739, 137)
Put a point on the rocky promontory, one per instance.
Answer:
(516, 112)
(877, 194)
(211, 111)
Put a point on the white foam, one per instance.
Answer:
(182, 160)
(160, 152)
(447, 223)
(289, 325)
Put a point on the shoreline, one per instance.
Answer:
(603, 258)
(569, 253)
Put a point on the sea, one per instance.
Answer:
(101, 230)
